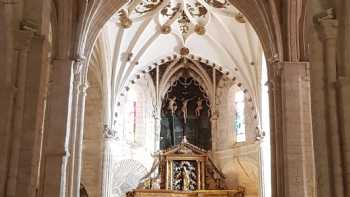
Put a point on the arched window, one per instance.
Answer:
(239, 117)
(130, 118)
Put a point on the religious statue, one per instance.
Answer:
(199, 107)
(186, 179)
(172, 105)
(184, 108)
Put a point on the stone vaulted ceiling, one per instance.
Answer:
(147, 31)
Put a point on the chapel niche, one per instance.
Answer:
(185, 112)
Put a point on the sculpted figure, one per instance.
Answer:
(184, 108)
(172, 105)
(186, 180)
(199, 107)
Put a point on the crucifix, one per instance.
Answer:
(184, 109)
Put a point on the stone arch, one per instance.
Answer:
(196, 72)
(262, 15)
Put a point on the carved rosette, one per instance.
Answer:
(184, 51)
(165, 29)
(199, 29)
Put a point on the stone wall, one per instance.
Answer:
(239, 161)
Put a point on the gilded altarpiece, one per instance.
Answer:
(185, 170)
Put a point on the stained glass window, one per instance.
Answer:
(239, 117)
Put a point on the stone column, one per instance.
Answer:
(110, 138)
(328, 35)
(343, 87)
(57, 130)
(33, 116)
(9, 23)
(80, 85)
(26, 120)
(14, 140)
(292, 139)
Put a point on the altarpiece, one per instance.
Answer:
(184, 170)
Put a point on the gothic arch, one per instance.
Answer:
(197, 72)
(262, 15)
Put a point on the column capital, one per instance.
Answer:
(83, 87)
(274, 74)
(109, 133)
(328, 24)
(79, 62)
(260, 135)
(79, 69)
(25, 34)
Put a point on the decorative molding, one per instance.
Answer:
(123, 20)
(240, 18)
(79, 63)
(329, 29)
(28, 25)
(109, 133)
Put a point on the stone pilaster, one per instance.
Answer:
(297, 130)
(57, 130)
(17, 121)
(277, 182)
(292, 139)
(33, 117)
